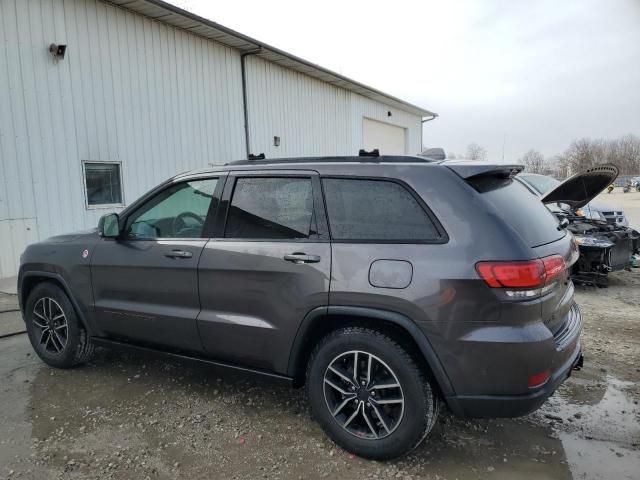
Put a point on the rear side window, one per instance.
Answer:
(376, 210)
(523, 211)
(271, 208)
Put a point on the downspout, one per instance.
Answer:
(422, 122)
(245, 108)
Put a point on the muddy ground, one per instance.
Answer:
(140, 416)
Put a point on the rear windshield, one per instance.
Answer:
(523, 211)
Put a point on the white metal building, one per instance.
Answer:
(146, 90)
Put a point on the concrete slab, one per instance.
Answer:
(10, 323)
(9, 285)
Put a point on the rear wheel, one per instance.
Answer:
(53, 327)
(369, 395)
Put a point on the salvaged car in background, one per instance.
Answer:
(594, 210)
(605, 240)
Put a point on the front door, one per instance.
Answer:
(269, 266)
(145, 284)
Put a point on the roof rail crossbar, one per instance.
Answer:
(373, 153)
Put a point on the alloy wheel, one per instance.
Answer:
(363, 395)
(50, 320)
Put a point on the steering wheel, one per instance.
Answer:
(180, 224)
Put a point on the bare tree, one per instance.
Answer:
(624, 152)
(476, 152)
(534, 162)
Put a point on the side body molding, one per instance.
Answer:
(317, 314)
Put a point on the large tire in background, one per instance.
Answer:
(369, 395)
(54, 329)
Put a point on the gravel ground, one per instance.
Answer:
(133, 415)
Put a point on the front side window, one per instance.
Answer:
(103, 183)
(179, 211)
(271, 208)
(375, 210)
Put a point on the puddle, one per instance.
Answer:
(132, 416)
(598, 423)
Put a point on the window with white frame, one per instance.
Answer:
(103, 183)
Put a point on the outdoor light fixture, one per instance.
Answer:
(276, 141)
(57, 51)
(389, 113)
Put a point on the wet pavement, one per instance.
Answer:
(140, 415)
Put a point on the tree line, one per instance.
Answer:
(624, 152)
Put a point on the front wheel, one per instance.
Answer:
(369, 395)
(54, 329)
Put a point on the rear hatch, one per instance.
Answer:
(550, 244)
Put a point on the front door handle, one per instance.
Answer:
(178, 254)
(299, 258)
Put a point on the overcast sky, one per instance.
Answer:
(534, 74)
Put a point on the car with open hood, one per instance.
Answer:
(606, 242)
(542, 185)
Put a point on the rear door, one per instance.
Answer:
(267, 266)
(145, 284)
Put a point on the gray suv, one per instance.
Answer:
(387, 285)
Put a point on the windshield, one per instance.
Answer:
(540, 183)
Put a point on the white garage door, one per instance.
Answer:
(387, 138)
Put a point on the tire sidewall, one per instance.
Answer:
(419, 405)
(65, 358)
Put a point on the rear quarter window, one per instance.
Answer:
(520, 209)
(376, 210)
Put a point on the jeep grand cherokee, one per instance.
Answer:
(386, 285)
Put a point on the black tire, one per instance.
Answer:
(62, 351)
(419, 410)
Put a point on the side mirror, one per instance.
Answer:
(109, 225)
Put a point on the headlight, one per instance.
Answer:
(590, 214)
(592, 241)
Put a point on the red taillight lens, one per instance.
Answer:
(525, 274)
(554, 266)
(529, 274)
(538, 379)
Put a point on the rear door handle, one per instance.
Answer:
(178, 254)
(299, 258)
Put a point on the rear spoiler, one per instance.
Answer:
(468, 170)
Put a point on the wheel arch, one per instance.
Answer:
(322, 320)
(29, 280)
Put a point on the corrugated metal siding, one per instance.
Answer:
(312, 117)
(151, 96)
(154, 97)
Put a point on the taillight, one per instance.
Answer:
(529, 274)
(554, 267)
(527, 277)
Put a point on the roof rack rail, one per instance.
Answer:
(342, 159)
(373, 153)
(260, 156)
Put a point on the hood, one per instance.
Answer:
(70, 237)
(583, 187)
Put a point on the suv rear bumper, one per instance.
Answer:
(493, 406)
